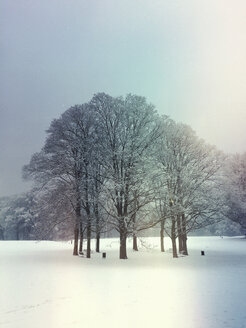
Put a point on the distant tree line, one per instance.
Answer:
(17, 218)
(115, 164)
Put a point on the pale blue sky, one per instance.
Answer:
(186, 57)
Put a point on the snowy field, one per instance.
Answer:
(43, 285)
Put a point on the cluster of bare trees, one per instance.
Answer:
(114, 162)
(234, 186)
(187, 195)
(96, 155)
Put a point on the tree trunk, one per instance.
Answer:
(88, 250)
(97, 229)
(185, 249)
(180, 236)
(76, 238)
(173, 237)
(87, 209)
(135, 243)
(162, 236)
(123, 238)
(81, 236)
(81, 243)
(184, 235)
(76, 227)
(175, 255)
(98, 242)
(122, 214)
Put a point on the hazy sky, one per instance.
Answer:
(187, 57)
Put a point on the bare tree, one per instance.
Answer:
(128, 129)
(69, 156)
(188, 170)
(235, 189)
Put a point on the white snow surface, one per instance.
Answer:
(43, 285)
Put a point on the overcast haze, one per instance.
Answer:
(186, 57)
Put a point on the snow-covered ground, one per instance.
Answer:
(43, 285)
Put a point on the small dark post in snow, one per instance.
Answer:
(104, 255)
(202, 253)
